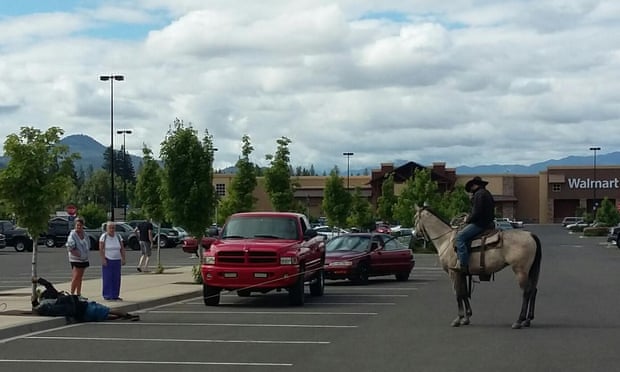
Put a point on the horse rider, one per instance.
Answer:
(480, 219)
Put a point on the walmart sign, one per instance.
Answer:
(587, 183)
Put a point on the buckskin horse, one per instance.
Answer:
(516, 248)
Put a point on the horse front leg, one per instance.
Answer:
(531, 307)
(528, 303)
(468, 312)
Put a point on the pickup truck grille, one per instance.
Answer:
(241, 257)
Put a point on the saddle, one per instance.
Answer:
(490, 238)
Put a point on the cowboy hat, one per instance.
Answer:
(475, 181)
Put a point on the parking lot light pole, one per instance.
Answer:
(111, 78)
(594, 204)
(125, 173)
(348, 155)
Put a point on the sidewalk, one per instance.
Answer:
(139, 291)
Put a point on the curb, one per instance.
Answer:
(54, 322)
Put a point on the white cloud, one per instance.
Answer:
(463, 82)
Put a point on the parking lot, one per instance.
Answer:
(258, 333)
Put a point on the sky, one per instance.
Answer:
(465, 82)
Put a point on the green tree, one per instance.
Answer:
(420, 189)
(454, 203)
(31, 185)
(188, 177)
(240, 196)
(607, 213)
(278, 177)
(149, 187)
(93, 214)
(387, 200)
(96, 189)
(361, 211)
(336, 200)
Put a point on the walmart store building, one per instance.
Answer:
(546, 197)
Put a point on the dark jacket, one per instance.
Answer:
(55, 303)
(482, 208)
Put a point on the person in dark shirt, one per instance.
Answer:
(145, 233)
(480, 219)
(52, 302)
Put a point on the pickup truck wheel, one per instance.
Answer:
(361, 274)
(403, 276)
(134, 244)
(50, 243)
(618, 240)
(211, 295)
(317, 286)
(244, 293)
(94, 244)
(20, 245)
(296, 292)
(162, 241)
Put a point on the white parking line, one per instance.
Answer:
(214, 341)
(346, 289)
(364, 295)
(259, 312)
(354, 303)
(144, 324)
(146, 362)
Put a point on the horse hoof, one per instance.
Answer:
(456, 322)
(516, 325)
(464, 321)
(526, 323)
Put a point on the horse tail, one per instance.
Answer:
(535, 268)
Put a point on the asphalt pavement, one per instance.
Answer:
(384, 326)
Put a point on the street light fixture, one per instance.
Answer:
(594, 204)
(111, 78)
(348, 155)
(125, 173)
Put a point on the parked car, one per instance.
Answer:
(614, 235)
(130, 238)
(516, 224)
(2, 241)
(16, 237)
(571, 220)
(168, 237)
(577, 225)
(503, 225)
(190, 243)
(329, 232)
(358, 256)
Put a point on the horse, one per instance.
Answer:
(518, 249)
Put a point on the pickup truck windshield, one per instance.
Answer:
(266, 227)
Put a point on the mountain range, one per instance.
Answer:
(92, 151)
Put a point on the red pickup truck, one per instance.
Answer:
(263, 251)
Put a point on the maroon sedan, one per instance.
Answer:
(359, 256)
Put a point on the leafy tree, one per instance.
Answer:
(188, 177)
(607, 213)
(336, 200)
(96, 189)
(420, 189)
(278, 177)
(361, 211)
(93, 214)
(454, 203)
(387, 200)
(240, 196)
(149, 187)
(31, 185)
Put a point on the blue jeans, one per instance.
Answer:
(463, 240)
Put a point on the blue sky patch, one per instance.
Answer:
(391, 15)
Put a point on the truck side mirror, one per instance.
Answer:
(309, 234)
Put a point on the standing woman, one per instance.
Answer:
(112, 254)
(78, 246)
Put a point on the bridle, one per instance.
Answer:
(425, 233)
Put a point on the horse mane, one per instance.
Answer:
(431, 211)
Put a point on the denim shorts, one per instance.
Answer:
(96, 312)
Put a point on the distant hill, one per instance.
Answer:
(92, 151)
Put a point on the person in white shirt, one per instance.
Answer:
(112, 253)
(78, 247)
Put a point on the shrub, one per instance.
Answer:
(576, 228)
(196, 274)
(595, 231)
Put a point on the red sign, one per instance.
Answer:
(71, 209)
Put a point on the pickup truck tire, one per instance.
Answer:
(50, 243)
(317, 286)
(94, 244)
(134, 244)
(211, 295)
(244, 293)
(618, 241)
(162, 241)
(20, 245)
(296, 293)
